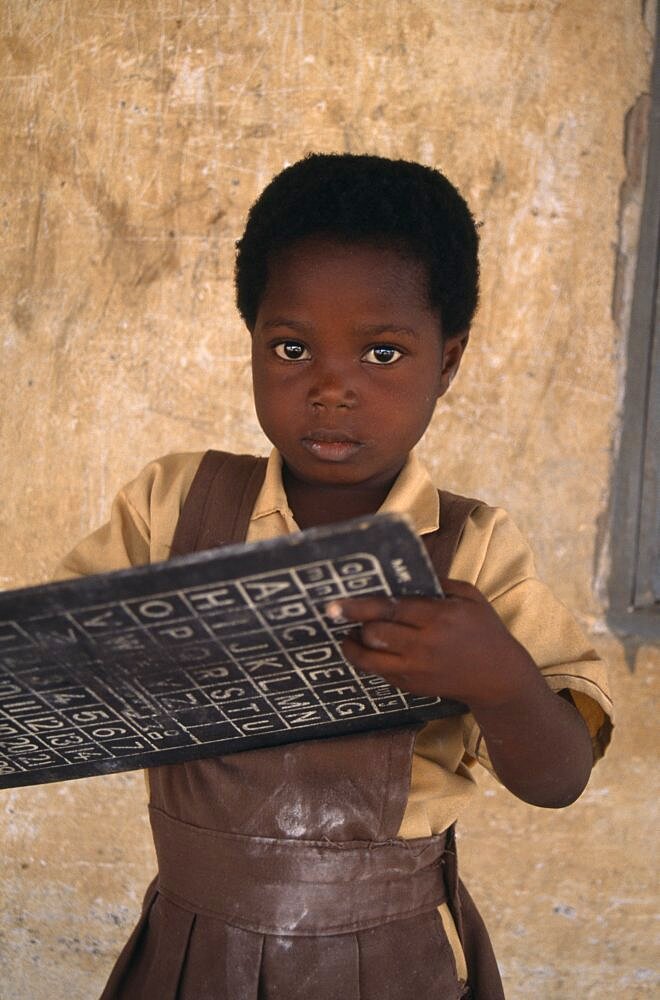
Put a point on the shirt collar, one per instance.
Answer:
(413, 494)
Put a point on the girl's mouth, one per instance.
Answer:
(331, 446)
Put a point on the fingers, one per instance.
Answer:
(381, 631)
(409, 611)
(378, 617)
(362, 609)
(426, 645)
(385, 637)
(388, 636)
(372, 661)
(394, 669)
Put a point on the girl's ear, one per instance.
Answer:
(452, 353)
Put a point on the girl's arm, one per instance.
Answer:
(458, 648)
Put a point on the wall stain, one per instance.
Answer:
(23, 311)
(136, 257)
(21, 54)
(635, 147)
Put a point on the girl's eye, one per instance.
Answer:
(291, 350)
(382, 354)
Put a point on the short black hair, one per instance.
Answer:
(366, 199)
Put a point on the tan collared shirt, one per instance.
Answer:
(491, 554)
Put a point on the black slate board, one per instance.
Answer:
(213, 653)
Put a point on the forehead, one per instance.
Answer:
(320, 273)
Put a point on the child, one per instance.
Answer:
(326, 870)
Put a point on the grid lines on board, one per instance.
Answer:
(191, 667)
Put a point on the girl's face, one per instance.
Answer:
(347, 362)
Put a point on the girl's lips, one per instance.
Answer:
(331, 447)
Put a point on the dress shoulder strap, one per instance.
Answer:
(225, 488)
(441, 544)
(219, 503)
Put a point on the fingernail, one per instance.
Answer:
(373, 642)
(333, 611)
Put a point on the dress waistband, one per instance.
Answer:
(296, 887)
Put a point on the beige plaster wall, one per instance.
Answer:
(135, 136)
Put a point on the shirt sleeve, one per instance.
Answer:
(142, 522)
(494, 556)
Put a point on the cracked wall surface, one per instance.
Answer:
(135, 136)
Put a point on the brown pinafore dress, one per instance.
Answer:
(280, 873)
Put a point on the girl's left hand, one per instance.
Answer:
(452, 647)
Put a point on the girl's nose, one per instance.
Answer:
(332, 389)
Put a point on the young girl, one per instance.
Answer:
(327, 869)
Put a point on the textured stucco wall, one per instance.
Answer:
(135, 135)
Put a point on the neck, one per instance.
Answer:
(314, 505)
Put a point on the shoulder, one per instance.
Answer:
(492, 553)
(142, 519)
(162, 478)
(155, 497)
